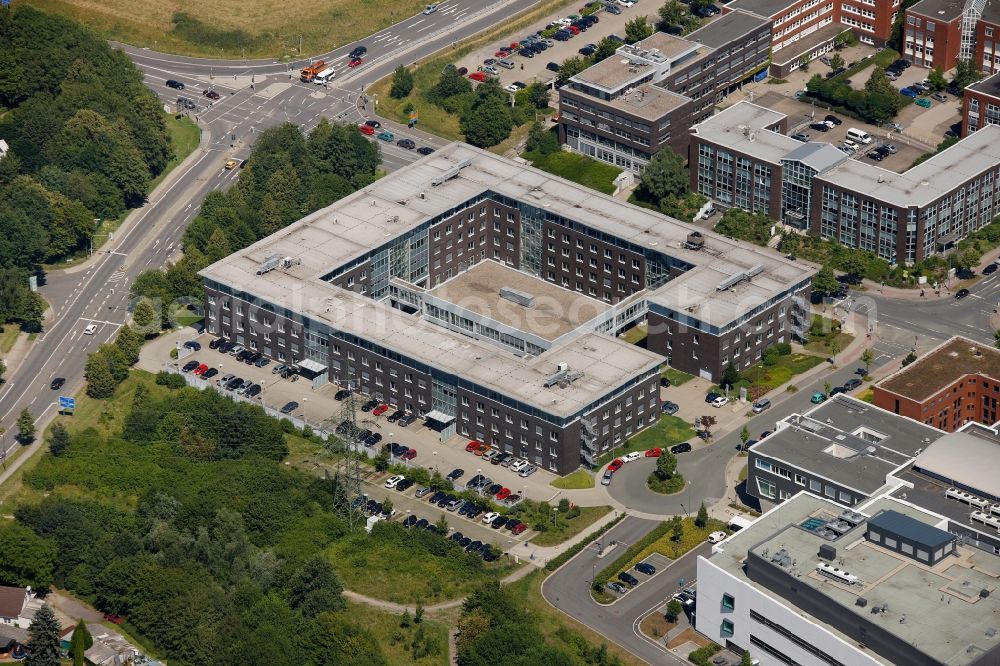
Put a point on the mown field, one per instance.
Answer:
(235, 28)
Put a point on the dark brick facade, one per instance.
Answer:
(589, 265)
(486, 230)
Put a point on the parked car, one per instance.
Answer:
(923, 102)
(490, 517)
(716, 537)
(669, 408)
(632, 455)
(818, 397)
(654, 453)
(606, 479)
(760, 405)
(646, 568)
(289, 407)
(615, 586)
(628, 579)
(683, 447)
(961, 293)
(527, 471)
(393, 480)
(820, 127)
(721, 401)
(455, 474)
(832, 119)
(176, 85)
(710, 398)
(801, 136)
(380, 410)
(189, 366)
(852, 384)
(478, 76)
(615, 465)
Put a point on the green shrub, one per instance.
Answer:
(170, 380)
(569, 553)
(703, 656)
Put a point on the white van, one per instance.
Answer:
(860, 136)
(324, 76)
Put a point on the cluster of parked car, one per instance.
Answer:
(882, 152)
(498, 457)
(618, 463)
(374, 128)
(626, 581)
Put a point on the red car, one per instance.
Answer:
(409, 455)
(381, 409)
(654, 453)
(366, 129)
(615, 465)
(519, 528)
(201, 369)
(478, 76)
(575, 30)
(471, 446)
(356, 62)
(503, 494)
(117, 619)
(502, 53)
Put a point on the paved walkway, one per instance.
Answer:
(914, 294)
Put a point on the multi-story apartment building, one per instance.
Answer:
(625, 108)
(485, 296)
(939, 33)
(981, 104)
(739, 158)
(956, 383)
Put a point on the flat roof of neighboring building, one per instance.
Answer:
(941, 10)
(726, 129)
(942, 366)
(970, 457)
(988, 86)
(817, 155)
(619, 69)
(829, 442)
(926, 182)
(647, 101)
(727, 28)
(794, 51)
(554, 312)
(954, 632)
(355, 227)
(767, 8)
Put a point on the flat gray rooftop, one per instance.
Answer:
(769, 8)
(988, 86)
(726, 129)
(825, 441)
(926, 182)
(970, 457)
(727, 28)
(554, 312)
(940, 10)
(952, 632)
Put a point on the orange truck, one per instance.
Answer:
(310, 72)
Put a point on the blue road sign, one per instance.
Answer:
(66, 402)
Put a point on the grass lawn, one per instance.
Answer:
(433, 118)
(669, 431)
(760, 379)
(185, 136)
(263, 27)
(8, 337)
(557, 627)
(398, 565)
(743, 474)
(671, 486)
(636, 335)
(185, 316)
(578, 480)
(868, 395)
(692, 537)
(676, 377)
(396, 640)
(577, 168)
(567, 528)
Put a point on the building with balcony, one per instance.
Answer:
(486, 297)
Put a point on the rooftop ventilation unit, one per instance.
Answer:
(695, 241)
(269, 264)
(288, 262)
(563, 376)
(838, 575)
(827, 552)
(451, 173)
(519, 297)
(740, 277)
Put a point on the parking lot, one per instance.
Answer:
(319, 408)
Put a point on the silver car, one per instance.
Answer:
(528, 471)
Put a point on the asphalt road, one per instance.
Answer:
(568, 589)
(98, 293)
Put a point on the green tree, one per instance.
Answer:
(418, 613)
(674, 610)
(381, 462)
(867, 357)
(44, 633)
(666, 466)
(570, 68)
(804, 62)
(605, 49)
(80, 643)
(701, 520)
(100, 382)
(936, 79)
(879, 84)
(730, 376)
(538, 95)
(218, 246)
(442, 525)
(834, 350)
(542, 141)
(145, 319)
(966, 73)
(450, 84)
(677, 529)
(753, 227)
(488, 124)
(825, 282)
(744, 437)
(826, 388)
(746, 659)
(59, 440)
(665, 175)
(26, 558)
(26, 427)
(315, 588)
(836, 61)
(910, 358)
(996, 339)
(387, 505)
(3, 370)
(402, 83)
(129, 342)
(671, 13)
(637, 29)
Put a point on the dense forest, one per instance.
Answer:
(287, 176)
(85, 135)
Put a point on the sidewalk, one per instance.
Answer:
(914, 294)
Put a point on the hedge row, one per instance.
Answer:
(612, 569)
(570, 552)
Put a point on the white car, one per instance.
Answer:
(629, 457)
(518, 465)
(431, 8)
(90, 329)
(490, 517)
(721, 401)
(626, 3)
(564, 21)
(393, 480)
(511, 88)
(716, 537)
